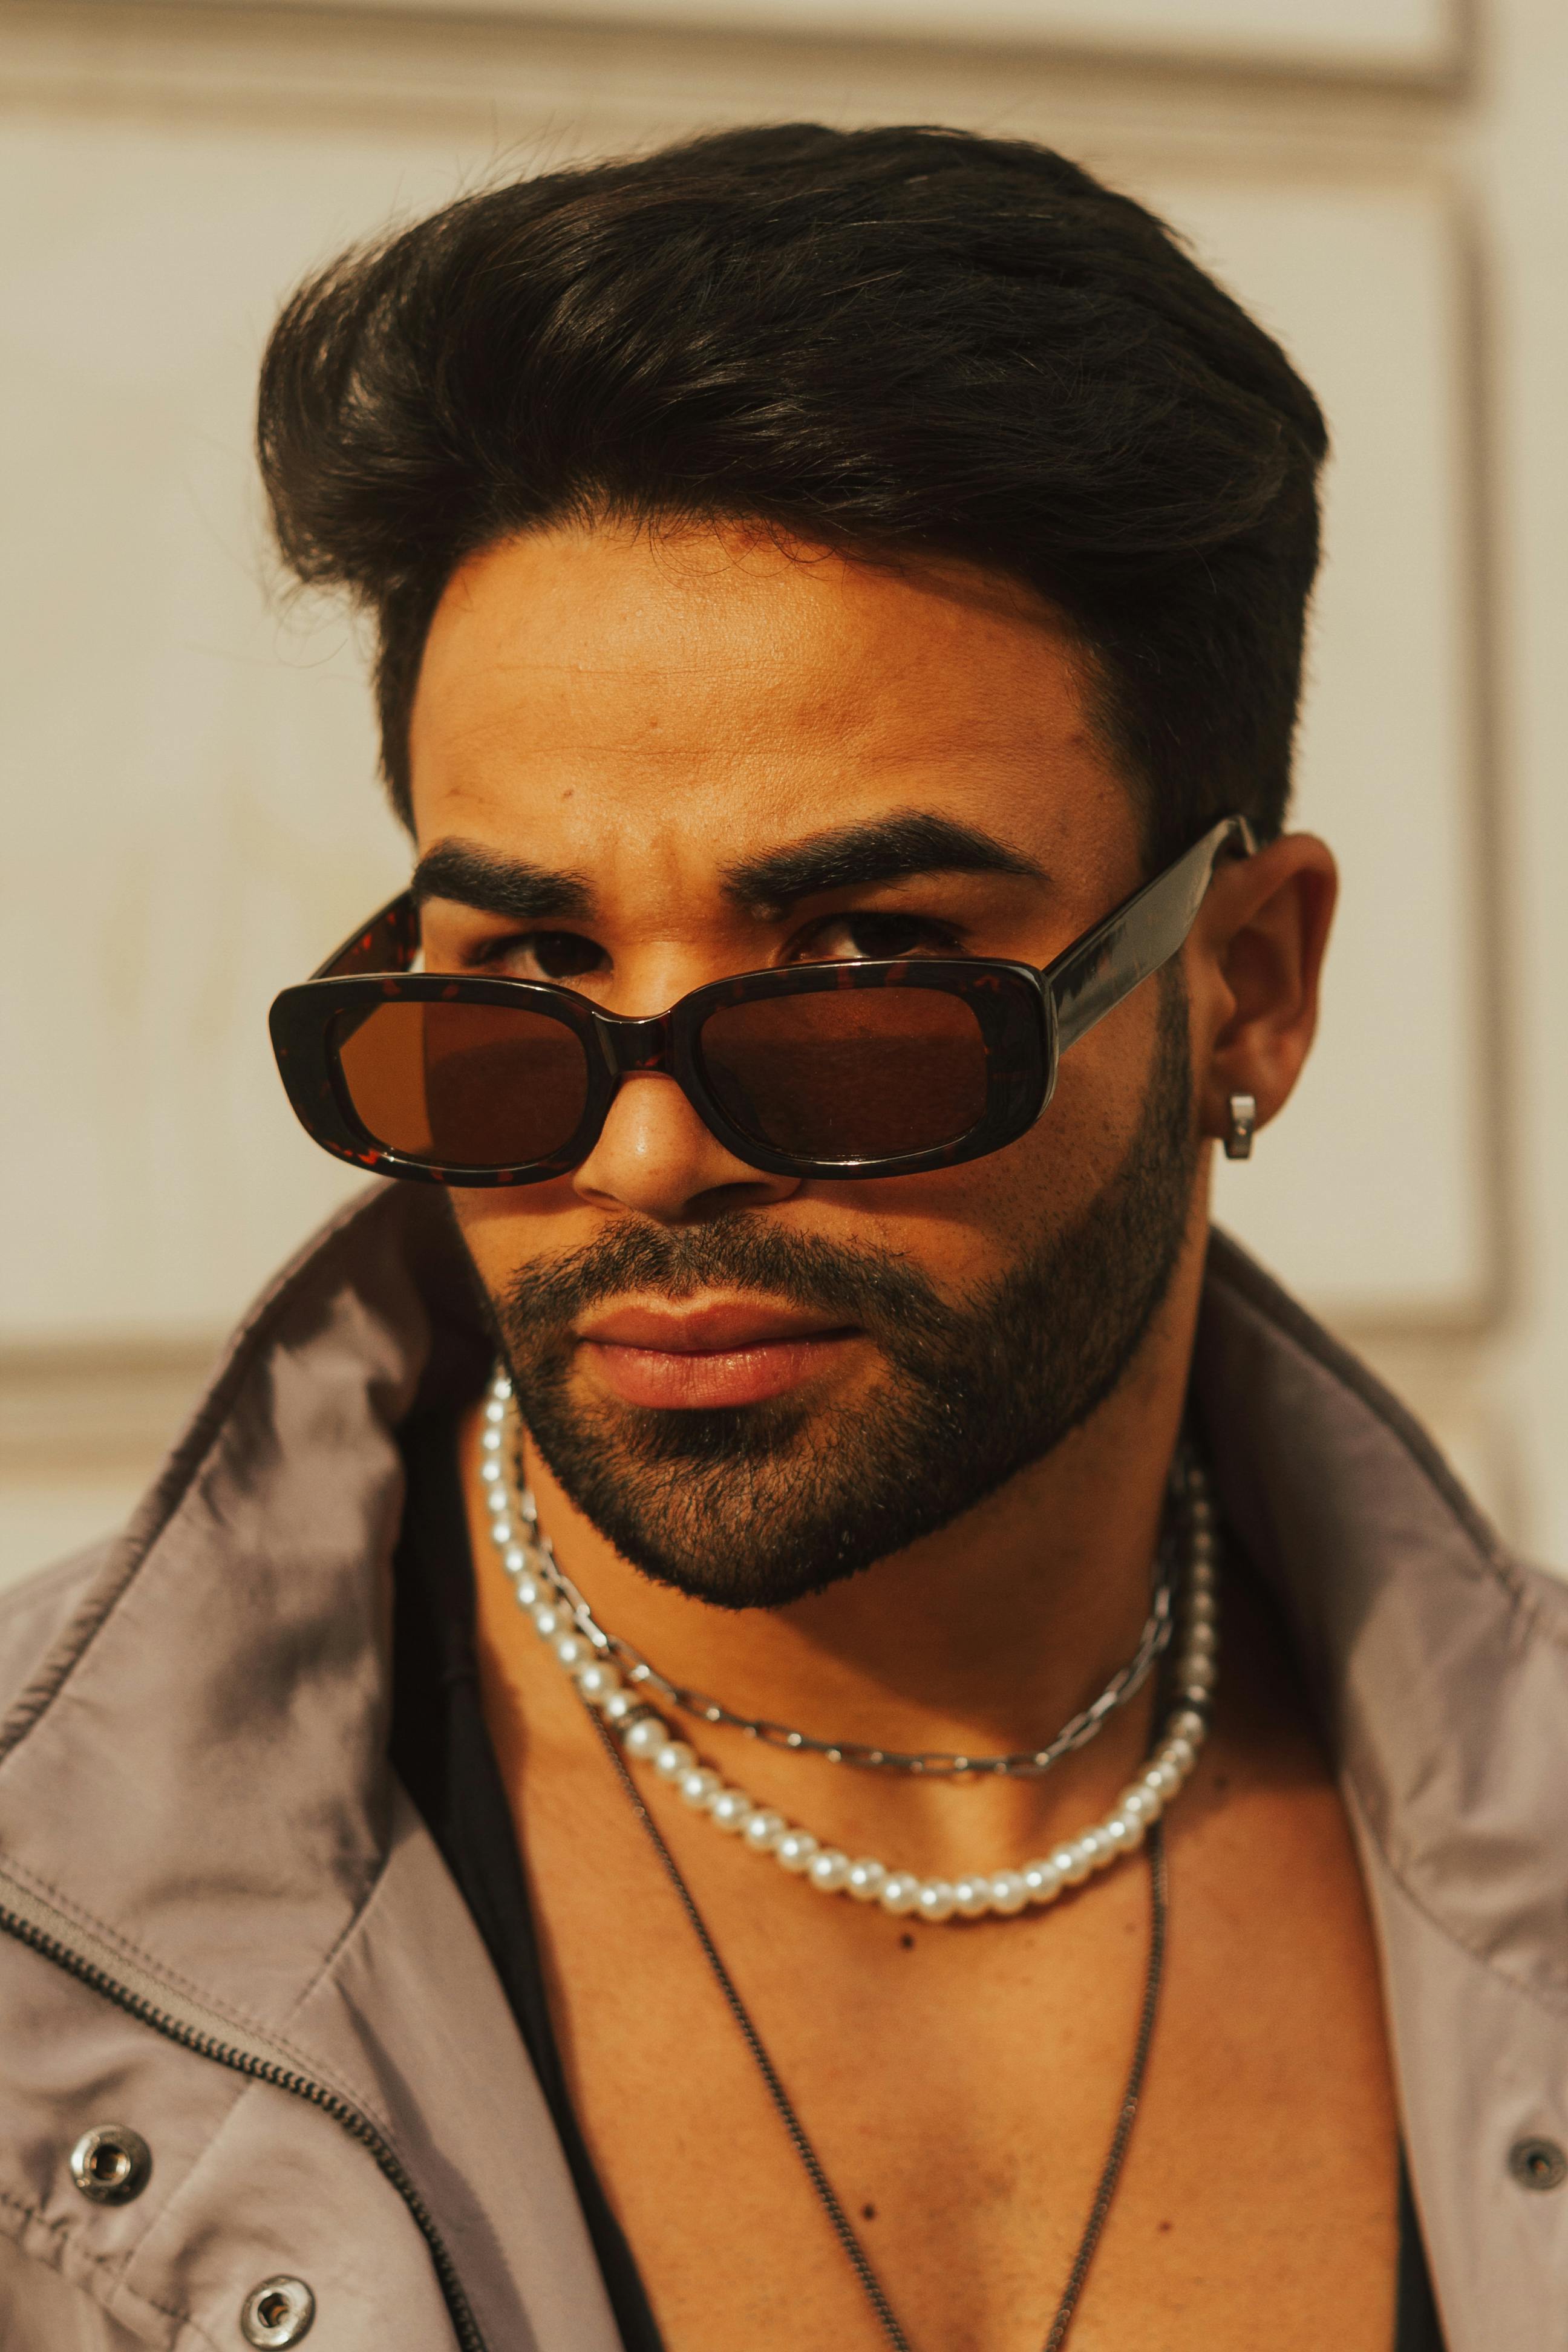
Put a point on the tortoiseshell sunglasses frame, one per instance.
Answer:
(1027, 1018)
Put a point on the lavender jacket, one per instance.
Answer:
(223, 1926)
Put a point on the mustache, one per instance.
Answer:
(873, 1288)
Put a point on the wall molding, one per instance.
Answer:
(1442, 54)
(96, 1408)
(369, 65)
(85, 1415)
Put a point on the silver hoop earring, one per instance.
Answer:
(1243, 1122)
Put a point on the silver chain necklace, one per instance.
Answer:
(1026, 1763)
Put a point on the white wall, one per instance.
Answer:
(191, 819)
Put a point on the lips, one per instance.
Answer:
(723, 1353)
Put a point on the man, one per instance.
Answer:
(840, 601)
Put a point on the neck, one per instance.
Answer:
(985, 1638)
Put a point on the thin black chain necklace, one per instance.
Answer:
(826, 2196)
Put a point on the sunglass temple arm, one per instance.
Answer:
(1144, 932)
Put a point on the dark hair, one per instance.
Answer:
(890, 341)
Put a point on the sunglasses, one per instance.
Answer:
(846, 1070)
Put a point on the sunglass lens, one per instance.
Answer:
(463, 1086)
(850, 1073)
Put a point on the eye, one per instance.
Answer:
(563, 955)
(876, 937)
(543, 955)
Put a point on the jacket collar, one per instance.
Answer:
(1438, 1662)
(199, 1762)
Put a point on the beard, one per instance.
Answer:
(754, 1506)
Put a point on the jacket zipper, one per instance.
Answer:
(49, 1932)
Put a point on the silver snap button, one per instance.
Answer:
(278, 2311)
(1538, 2163)
(111, 2165)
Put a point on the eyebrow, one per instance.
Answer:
(848, 858)
(494, 885)
(881, 849)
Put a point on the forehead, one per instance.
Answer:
(620, 700)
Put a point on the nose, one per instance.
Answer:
(655, 1155)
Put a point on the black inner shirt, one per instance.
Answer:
(441, 1751)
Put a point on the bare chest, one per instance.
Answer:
(961, 2084)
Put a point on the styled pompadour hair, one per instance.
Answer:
(892, 341)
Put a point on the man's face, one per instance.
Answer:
(755, 1384)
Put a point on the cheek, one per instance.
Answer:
(962, 1226)
(1101, 1088)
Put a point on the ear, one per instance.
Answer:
(1253, 961)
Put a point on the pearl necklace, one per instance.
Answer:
(581, 1649)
